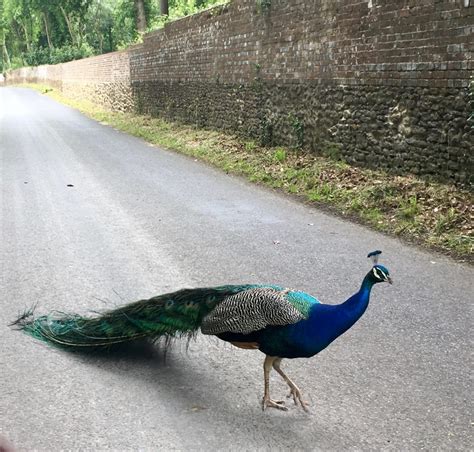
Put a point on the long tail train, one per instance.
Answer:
(165, 316)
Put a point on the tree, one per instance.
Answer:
(34, 32)
(140, 15)
(164, 8)
(4, 56)
(99, 23)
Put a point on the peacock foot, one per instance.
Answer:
(296, 394)
(269, 403)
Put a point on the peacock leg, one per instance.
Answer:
(267, 401)
(294, 390)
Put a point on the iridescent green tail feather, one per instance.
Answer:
(175, 314)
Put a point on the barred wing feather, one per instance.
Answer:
(252, 310)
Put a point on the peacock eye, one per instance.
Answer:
(210, 301)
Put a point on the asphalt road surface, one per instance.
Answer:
(92, 218)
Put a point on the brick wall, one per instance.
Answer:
(394, 42)
(381, 83)
(104, 79)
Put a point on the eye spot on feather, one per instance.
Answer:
(190, 304)
(211, 301)
(169, 304)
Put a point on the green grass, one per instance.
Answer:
(429, 213)
(280, 155)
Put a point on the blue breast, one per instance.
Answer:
(306, 338)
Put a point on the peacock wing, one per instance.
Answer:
(252, 310)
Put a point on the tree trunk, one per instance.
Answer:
(48, 36)
(69, 25)
(96, 27)
(6, 57)
(27, 38)
(164, 7)
(110, 38)
(141, 18)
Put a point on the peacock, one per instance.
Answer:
(281, 323)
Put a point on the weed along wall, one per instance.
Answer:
(380, 83)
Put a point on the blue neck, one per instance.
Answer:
(359, 301)
(352, 309)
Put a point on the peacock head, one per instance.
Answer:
(379, 273)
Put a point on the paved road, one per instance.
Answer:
(140, 220)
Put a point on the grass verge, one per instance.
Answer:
(435, 215)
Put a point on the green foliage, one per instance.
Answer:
(180, 8)
(250, 146)
(409, 208)
(298, 130)
(34, 32)
(266, 132)
(332, 151)
(123, 27)
(280, 155)
(263, 5)
(446, 221)
(38, 56)
(99, 27)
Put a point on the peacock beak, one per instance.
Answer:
(389, 280)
